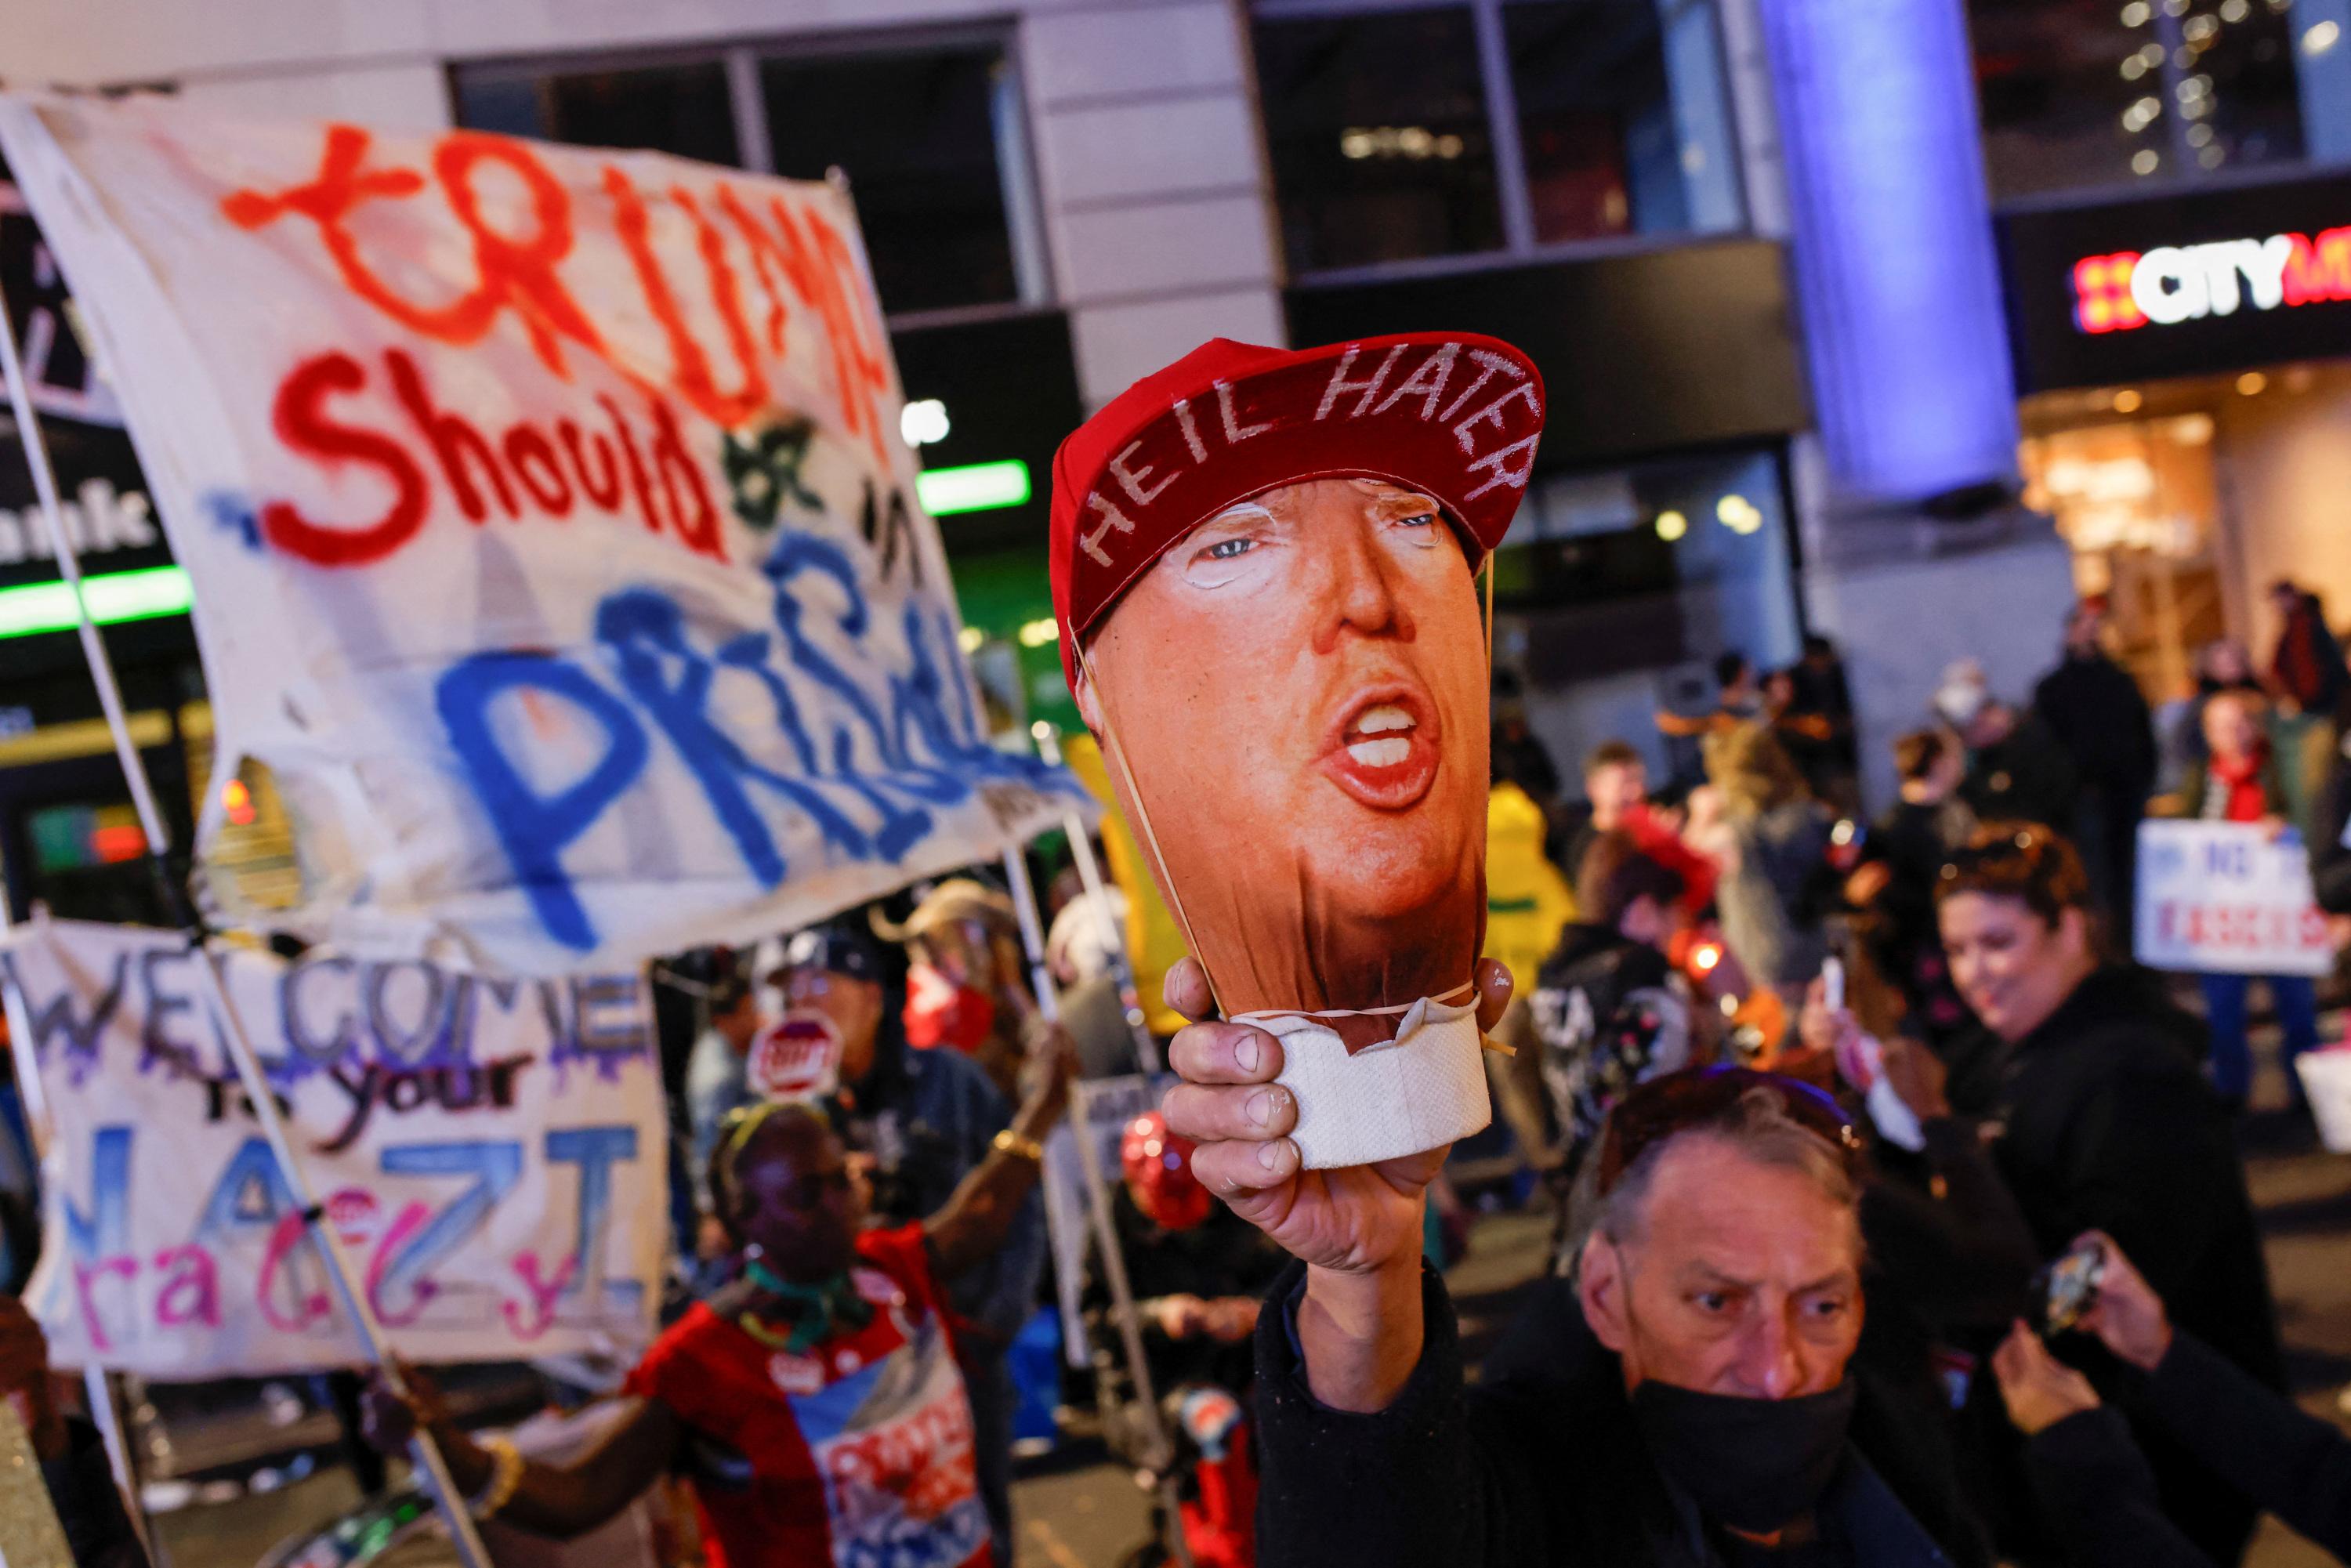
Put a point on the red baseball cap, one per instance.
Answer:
(1452, 414)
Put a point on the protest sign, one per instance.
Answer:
(552, 537)
(2227, 898)
(1102, 1107)
(491, 1154)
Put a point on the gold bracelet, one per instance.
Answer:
(505, 1480)
(1008, 1142)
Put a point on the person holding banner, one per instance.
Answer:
(2240, 781)
(815, 1402)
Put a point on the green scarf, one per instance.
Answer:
(816, 1311)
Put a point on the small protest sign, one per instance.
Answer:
(491, 1154)
(2227, 898)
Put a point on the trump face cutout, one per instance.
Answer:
(1263, 570)
(1299, 690)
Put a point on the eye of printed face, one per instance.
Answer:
(1236, 545)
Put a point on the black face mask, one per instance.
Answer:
(1752, 1465)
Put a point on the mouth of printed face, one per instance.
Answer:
(1383, 749)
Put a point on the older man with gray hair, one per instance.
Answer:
(1685, 1400)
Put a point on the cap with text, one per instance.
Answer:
(1452, 414)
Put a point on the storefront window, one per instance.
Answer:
(1381, 148)
(2087, 93)
(929, 138)
(915, 134)
(679, 109)
(1485, 126)
(2137, 503)
(1614, 592)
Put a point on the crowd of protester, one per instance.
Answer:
(1816, 1102)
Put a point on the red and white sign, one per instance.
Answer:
(2172, 283)
(2225, 898)
(796, 1059)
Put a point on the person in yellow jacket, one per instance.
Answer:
(1528, 904)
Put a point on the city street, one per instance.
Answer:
(1076, 1513)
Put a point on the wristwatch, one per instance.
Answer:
(1011, 1142)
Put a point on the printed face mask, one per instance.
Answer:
(1296, 693)
(941, 1012)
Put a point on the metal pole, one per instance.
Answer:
(1081, 848)
(422, 1450)
(105, 1414)
(1121, 1292)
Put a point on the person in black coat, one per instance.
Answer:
(2095, 710)
(2088, 1081)
(2089, 1475)
(1689, 1401)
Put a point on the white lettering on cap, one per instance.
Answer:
(1235, 432)
(1370, 389)
(1134, 482)
(1112, 517)
(1440, 359)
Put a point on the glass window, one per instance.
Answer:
(1613, 592)
(1379, 134)
(1492, 126)
(915, 134)
(679, 109)
(928, 136)
(1611, 146)
(2087, 93)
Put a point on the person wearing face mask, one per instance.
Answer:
(815, 1402)
(925, 1119)
(2086, 1083)
(1685, 1401)
(965, 989)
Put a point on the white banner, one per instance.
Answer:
(553, 539)
(2225, 898)
(492, 1155)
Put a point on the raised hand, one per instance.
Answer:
(1354, 1219)
(2128, 1316)
(2038, 1389)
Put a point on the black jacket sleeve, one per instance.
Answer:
(81, 1487)
(1962, 1254)
(2096, 1492)
(2292, 1464)
(1409, 1486)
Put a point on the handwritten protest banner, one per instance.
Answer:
(552, 536)
(2225, 898)
(492, 1155)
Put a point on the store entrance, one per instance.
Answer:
(2184, 501)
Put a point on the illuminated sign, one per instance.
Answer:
(2171, 284)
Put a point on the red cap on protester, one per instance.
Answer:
(1451, 415)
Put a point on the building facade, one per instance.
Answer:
(1749, 242)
